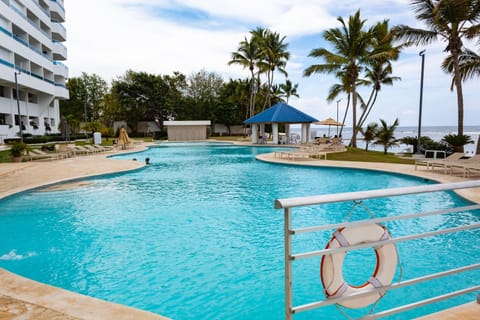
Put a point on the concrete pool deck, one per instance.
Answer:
(22, 298)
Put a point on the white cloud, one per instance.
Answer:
(109, 37)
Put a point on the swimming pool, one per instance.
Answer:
(195, 235)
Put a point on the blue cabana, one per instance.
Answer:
(280, 113)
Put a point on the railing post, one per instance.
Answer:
(288, 264)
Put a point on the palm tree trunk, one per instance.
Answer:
(361, 120)
(354, 115)
(252, 95)
(458, 85)
(269, 89)
(345, 114)
(369, 109)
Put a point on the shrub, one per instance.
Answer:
(457, 141)
(18, 149)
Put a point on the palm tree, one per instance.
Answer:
(385, 135)
(247, 56)
(451, 21)
(377, 75)
(354, 49)
(379, 70)
(369, 133)
(469, 63)
(339, 88)
(288, 89)
(274, 58)
(457, 141)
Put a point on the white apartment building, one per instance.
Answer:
(31, 51)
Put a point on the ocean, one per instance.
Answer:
(436, 133)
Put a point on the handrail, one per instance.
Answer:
(358, 197)
(363, 195)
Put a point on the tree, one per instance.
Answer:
(369, 133)
(234, 95)
(274, 58)
(354, 47)
(457, 141)
(93, 127)
(266, 52)
(86, 97)
(469, 63)
(378, 71)
(247, 56)
(143, 97)
(385, 135)
(204, 91)
(448, 20)
(288, 90)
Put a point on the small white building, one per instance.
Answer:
(187, 130)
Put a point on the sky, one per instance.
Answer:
(109, 37)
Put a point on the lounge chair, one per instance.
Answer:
(442, 163)
(469, 168)
(465, 165)
(308, 152)
(37, 154)
(91, 148)
(81, 150)
(63, 150)
(102, 148)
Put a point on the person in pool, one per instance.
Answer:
(147, 160)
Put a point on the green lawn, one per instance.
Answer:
(5, 156)
(353, 154)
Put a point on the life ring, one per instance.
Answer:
(331, 265)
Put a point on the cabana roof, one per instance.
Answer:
(281, 113)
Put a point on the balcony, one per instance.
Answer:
(59, 51)
(60, 69)
(57, 11)
(61, 91)
(59, 33)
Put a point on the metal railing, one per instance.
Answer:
(358, 198)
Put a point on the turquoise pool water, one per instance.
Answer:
(194, 235)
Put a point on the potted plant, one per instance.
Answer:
(17, 150)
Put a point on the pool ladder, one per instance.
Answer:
(357, 198)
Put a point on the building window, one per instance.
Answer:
(2, 91)
(3, 119)
(32, 98)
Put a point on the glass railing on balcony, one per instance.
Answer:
(36, 50)
(17, 10)
(60, 4)
(58, 43)
(41, 8)
(25, 71)
(58, 63)
(8, 33)
(25, 43)
(48, 35)
(37, 76)
(60, 25)
(6, 63)
(24, 16)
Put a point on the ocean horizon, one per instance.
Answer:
(436, 133)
